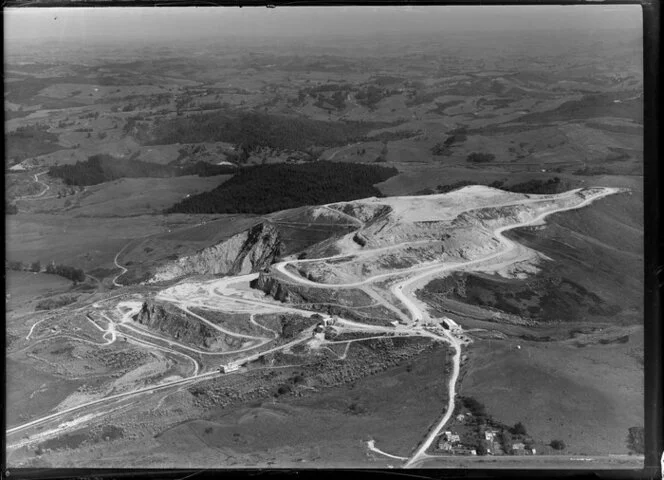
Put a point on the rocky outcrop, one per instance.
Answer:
(342, 302)
(174, 323)
(247, 252)
(274, 288)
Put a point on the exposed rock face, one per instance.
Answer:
(174, 323)
(247, 252)
(332, 301)
(276, 289)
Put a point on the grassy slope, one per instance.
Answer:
(144, 255)
(135, 196)
(85, 243)
(27, 288)
(587, 397)
(400, 405)
(600, 247)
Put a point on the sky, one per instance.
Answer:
(164, 23)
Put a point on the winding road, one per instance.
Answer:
(40, 194)
(124, 270)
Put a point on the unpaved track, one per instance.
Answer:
(124, 270)
(40, 194)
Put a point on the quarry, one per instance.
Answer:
(330, 245)
(343, 316)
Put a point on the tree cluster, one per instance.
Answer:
(371, 95)
(253, 130)
(474, 406)
(76, 275)
(539, 187)
(268, 188)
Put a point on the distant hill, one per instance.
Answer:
(269, 188)
(252, 130)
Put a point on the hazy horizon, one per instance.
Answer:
(141, 24)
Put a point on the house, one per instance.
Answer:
(452, 437)
(465, 451)
(444, 446)
(461, 417)
(489, 435)
(518, 448)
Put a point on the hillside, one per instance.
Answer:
(105, 168)
(269, 188)
(252, 130)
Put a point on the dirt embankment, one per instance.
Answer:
(246, 252)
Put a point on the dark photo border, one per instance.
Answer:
(653, 272)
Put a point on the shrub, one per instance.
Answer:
(557, 444)
(439, 149)
(476, 408)
(283, 389)
(356, 408)
(518, 429)
(53, 303)
(635, 440)
(476, 157)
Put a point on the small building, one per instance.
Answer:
(452, 437)
(489, 435)
(444, 446)
(228, 368)
(518, 448)
(461, 417)
(463, 450)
